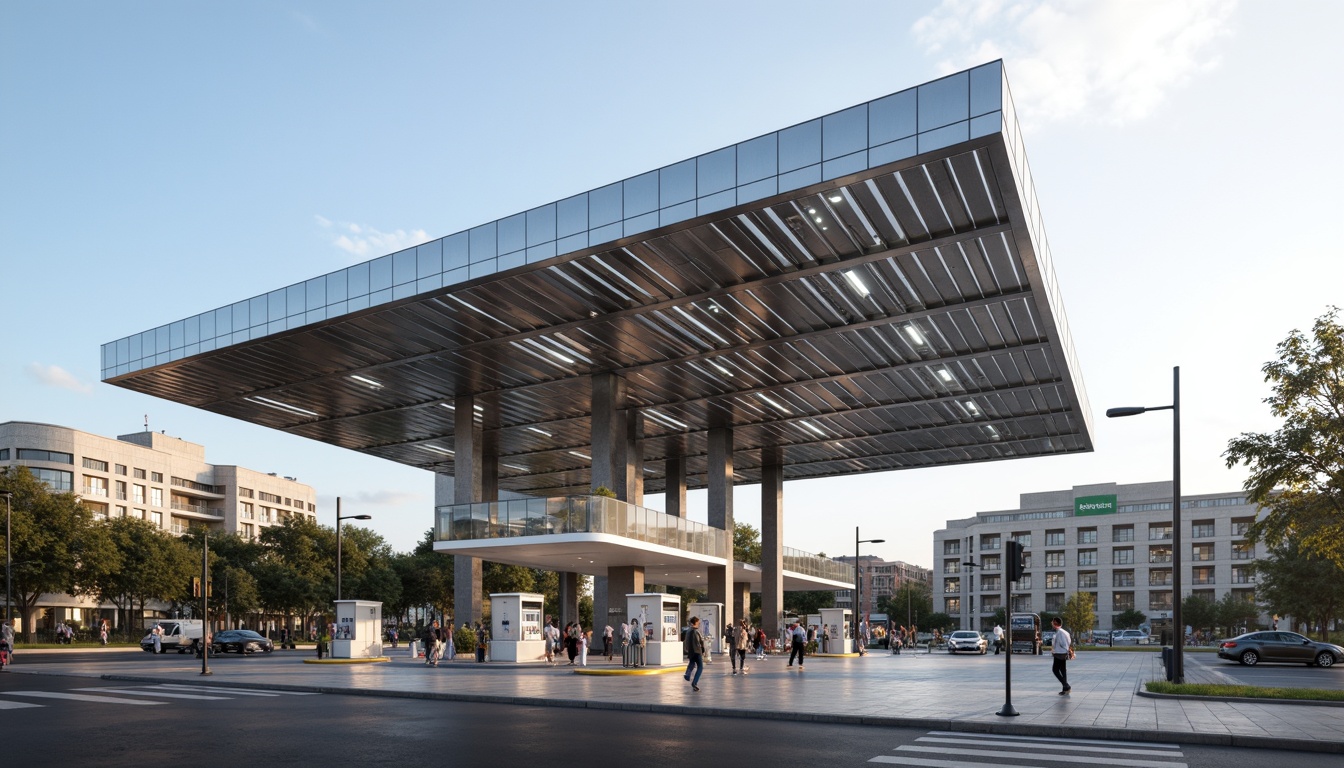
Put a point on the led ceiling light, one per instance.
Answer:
(772, 402)
(971, 406)
(946, 375)
(542, 432)
(437, 449)
(665, 420)
(915, 335)
(857, 282)
(835, 198)
(370, 382)
(279, 406)
(580, 455)
(814, 428)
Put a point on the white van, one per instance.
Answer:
(181, 635)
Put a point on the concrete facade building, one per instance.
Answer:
(879, 580)
(150, 476)
(1113, 541)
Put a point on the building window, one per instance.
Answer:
(121, 490)
(56, 479)
(952, 585)
(1159, 577)
(156, 518)
(1024, 583)
(1087, 580)
(1054, 538)
(1240, 525)
(55, 457)
(949, 566)
(121, 511)
(156, 477)
(1242, 574)
(991, 584)
(4, 454)
(1054, 559)
(1087, 535)
(989, 563)
(271, 497)
(1159, 554)
(249, 531)
(138, 473)
(1121, 533)
(1243, 550)
(246, 493)
(991, 603)
(121, 469)
(1159, 600)
(953, 604)
(951, 547)
(247, 512)
(1122, 556)
(1054, 601)
(1022, 538)
(1087, 557)
(1122, 579)
(989, 543)
(1021, 603)
(94, 464)
(1159, 532)
(1122, 601)
(1201, 529)
(138, 494)
(1202, 552)
(99, 510)
(1054, 580)
(95, 486)
(1204, 575)
(312, 507)
(156, 496)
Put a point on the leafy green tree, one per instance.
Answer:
(1236, 613)
(803, 603)
(153, 566)
(1306, 586)
(432, 576)
(56, 547)
(1297, 471)
(1080, 613)
(939, 621)
(1128, 619)
(1199, 613)
(910, 603)
(298, 572)
(746, 544)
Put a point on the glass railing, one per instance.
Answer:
(575, 514)
(808, 564)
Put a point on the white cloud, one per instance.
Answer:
(366, 242)
(1111, 61)
(382, 498)
(56, 376)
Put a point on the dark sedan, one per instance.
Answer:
(1288, 647)
(240, 640)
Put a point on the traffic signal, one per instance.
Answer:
(1017, 561)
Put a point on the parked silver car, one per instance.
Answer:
(967, 640)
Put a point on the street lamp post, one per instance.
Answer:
(858, 585)
(1177, 671)
(9, 505)
(339, 518)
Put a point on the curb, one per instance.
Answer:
(627, 672)
(1236, 699)
(962, 726)
(371, 660)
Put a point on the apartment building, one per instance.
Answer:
(879, 579)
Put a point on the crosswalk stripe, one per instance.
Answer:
(83, 697)
(18, 704)
(920, 762)
(1048, 745)
(1113, 763)
(163, 694)
(1053, 740)
(230, 691)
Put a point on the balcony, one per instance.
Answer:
(200, 509)
(192, 485)
(90, 490)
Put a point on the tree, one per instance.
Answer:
(1128, 619)
(939, 621)
(1236, 613)
(297, 575)
(746, 544)
(153, 566)
(804, 603)
(1199, 613)
(1308, 587)
(1297, 471)
(56, 548)
(1080, 613)
(911, 603)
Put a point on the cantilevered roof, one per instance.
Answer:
(869, 291)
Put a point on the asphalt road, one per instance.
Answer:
(54, 719)
(1268, 675)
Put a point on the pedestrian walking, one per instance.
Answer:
(694, 645)
(799, 647)
(433, 645)
(6, 644)
(738, 652)
(759, 641)
(156, 635)
(1061, 651)
(998, 639)
(608, 635)
(585, 638)
(551, 636)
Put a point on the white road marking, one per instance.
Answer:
(83, 697)
(1091, 759)
(18, 704)
(1053, 740)
(212, 689)
(164, 694)
(1048, 745)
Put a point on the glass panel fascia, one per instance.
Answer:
(758, 158)
(315, 293)
(945, 136)
(456, 251)
(511, 260)
(716, 171)
(604, 206)
(336, 286)
(177, 335)
(716, 202)
(256, 313)
(513, 233)
(428, 259)
(600, 235)
(482, 243)
(799, 146)
(404, 266)
(295, 303)
(943, 102)
(893, 117)
(641, 194)
(358, 276)
(844, 133)
(223, 321)
(986, 125)
(893, 151)
(541, 252)
(540, 225)
(676, 213)
(843, 166)
(757, 190)
(639, 224)
(986, 88)
(380, 274)
(571, 216)
(676, 183)
(799, 178)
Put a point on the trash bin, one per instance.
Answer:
(1167, 654)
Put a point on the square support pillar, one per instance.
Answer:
(622, 581)
(772, 537)
(675, 494)
(741, 600)
(467, 489)
(720, 469)
(569, 598)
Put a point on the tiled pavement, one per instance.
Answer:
(916, 689)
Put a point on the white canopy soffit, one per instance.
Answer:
(890, 308)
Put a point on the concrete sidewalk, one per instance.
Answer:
(935, 691)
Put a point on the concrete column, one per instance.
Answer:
(467, 489)
(720, 578)
(569, 598)
(676, 487)
(608, 431)
(742, 600)
(626, 580)
(772, 537)
(634, 457)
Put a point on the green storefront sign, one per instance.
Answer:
(1093, 505)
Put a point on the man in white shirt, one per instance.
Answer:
(1061, 650)
(998, 639)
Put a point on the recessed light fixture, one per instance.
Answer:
(812, 211)
(814, 428)
(449, 406)
(915, 335)
(540, 431)
(971, 406)
(279, 406)
(835, 198)
(437, 449)
(515, 466)
(857, 282)
(772, 402)
(580, 455)
(946, 375)
(370, 382)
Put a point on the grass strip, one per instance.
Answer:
(1244, 691)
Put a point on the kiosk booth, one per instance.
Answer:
(835, 622)
(1024, 633)
(659, 617)
(359, 630)
(711, 624)
(515, 627)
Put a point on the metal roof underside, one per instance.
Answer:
(893, 319)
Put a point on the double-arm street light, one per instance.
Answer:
(9, 504)
(1177, 671)
(858, 585)
(339, 518)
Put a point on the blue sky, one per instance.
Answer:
(160, 159)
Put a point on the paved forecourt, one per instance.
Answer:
(916, 689)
